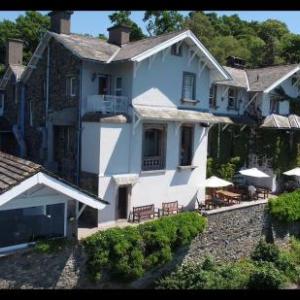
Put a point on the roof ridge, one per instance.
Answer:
(273, 66)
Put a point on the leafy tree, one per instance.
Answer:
(123, 17)
(163, 21)
(290, 48)
(102, 36)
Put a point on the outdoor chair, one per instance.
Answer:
(143, 212)
(169, 208)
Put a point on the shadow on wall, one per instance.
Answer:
(181, 177)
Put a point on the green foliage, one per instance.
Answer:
(266, 276)
(265, 252)
(127, 253)
(50, 246)
(123, 17)
(286, 207)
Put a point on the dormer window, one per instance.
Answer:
(176, 50)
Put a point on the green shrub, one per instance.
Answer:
(128, 252)
(286, 207)
(51, 246)
(266, 276)
(265, 252)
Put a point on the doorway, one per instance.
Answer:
(122, 205)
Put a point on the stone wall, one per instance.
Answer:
(233, 232)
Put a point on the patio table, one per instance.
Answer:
(231, 196)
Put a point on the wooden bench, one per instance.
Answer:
(169, 208)
(143, 212)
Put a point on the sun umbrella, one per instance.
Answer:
(216, 182)
(293, 172)
(254, 172)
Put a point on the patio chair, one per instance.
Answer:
(169, 208)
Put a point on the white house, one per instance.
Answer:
(35, 204)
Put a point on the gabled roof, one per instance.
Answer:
(239, 78)
(260, 79)
(18, 175)
(95, 49)
(16, 70)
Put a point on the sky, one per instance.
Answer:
(95, 22)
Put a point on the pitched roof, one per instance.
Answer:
(262, 78)
(259, 79)
(239, 78)
(14, 170)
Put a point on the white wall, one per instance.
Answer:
(161, 83)
(153, 187)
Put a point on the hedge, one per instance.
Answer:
(286, 207)
(126, 253)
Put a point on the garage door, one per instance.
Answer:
(18, 226)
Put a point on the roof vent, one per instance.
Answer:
(119, 34)
(236, 62)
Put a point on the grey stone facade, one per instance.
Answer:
(39, 137)
(233, 233)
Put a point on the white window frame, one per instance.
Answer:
(212, 99)
(235, 99)
(69, 86)
(193, 76)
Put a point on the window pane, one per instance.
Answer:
(188, 86)
(186, 146)
(119, 83)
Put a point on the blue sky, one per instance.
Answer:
(95, 22)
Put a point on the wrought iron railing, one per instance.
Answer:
(153, 163)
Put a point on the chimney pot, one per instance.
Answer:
(236, 62)
(14, 52)
(60, 21)
(119, 34)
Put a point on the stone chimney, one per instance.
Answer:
(60, 21)
(119, 34)
(14, 52)
(236, 62)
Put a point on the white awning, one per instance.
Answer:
(293, 172)
(125, 179)
(215, 182)
(177, 115)
(254, 172)
(281, 122)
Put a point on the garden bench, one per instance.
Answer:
(169, 208)
(143, 212)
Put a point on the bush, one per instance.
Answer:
(128, 252)
(266, 276)
(51, 246)
(265, 252)
(286, 207)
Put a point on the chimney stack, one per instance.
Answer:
(14, 52)
(119, 34)
(236, 62)
(61, 21)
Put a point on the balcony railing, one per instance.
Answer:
(107, 104)
(153, 163)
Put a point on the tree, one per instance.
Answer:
(123, 17)
(201, 26)
(163, 21)
(290, 48)
(102, 36)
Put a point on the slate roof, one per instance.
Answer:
(258, 79)
(94, 48)
(239, 77)
(261, 78)
(14, 170)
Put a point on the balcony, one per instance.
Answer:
(107, 104)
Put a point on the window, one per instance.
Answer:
(119, 86)
(189, 84)
(176, 50)
(274, 106)
(232, 99)
(213, 96)
(71, 86)
(103, 85)
(153, 147)
(186, 145)
(2, 103)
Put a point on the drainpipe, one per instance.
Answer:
(79, 128)
(46, 132)
(22, 119)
